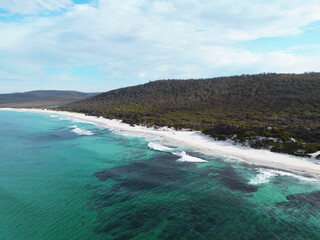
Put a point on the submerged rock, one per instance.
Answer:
(312, 198)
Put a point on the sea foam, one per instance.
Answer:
(159, 147)
(80, 131)
(184, 157)
(265, 175)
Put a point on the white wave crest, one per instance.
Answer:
(159, 147)
(287, 174)
(265, 175)
(124, 133)
(79, 121)
(187, 158)
(80, 131)
(53, 116)
(74, 120)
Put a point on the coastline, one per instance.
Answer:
(201, 143)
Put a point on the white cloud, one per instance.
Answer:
(34, 6)
(147, 40)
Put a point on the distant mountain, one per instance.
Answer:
(282, 106)
(42, 98)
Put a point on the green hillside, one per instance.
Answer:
(242, 107)
(42, 98)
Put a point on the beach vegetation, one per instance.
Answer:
(285, 107)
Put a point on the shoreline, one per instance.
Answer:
(200, 142)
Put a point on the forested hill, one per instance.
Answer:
(243, 105)
(250, 99)
(41, 98)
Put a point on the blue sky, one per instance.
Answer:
(100, 45)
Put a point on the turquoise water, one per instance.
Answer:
(56, 184)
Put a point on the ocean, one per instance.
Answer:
(62, 179)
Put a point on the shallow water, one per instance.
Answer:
(61, 179)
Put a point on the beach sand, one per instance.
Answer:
(201, 143)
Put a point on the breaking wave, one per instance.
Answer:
(80, 131)
(265, 175)
(184, 157)
(159, 147)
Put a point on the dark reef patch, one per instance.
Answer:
(58, 135)
(183, 201)
(234, 181)
(312, 198)
(302, 205)
(144, 174)
(192, 200)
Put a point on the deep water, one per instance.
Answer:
(64, 180)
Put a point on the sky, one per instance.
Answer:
(99, 45)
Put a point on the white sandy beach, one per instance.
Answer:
(201, 143)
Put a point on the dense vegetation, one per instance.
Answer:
(283, 109)
(41, 98)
